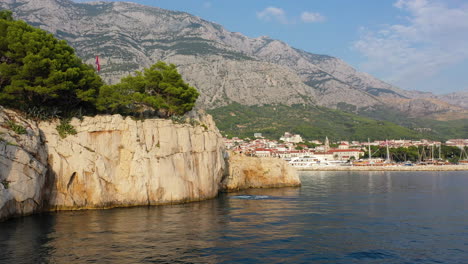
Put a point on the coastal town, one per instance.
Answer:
(299, 152)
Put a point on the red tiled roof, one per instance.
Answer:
(263, 149)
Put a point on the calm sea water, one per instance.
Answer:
(335, 217)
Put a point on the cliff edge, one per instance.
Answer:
(23, 165)
(111, 161)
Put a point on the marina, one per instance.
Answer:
(387, 168)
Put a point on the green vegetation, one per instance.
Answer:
(5, 183)
(413, 153)
(18, 129)
(200, 46)
(428, 127)
(312, 122)
(42, 113)
(65, 128)
(46, 78)
(183, 120)
(309, 145)
(36, 69)
(158, 88)
(178, 119)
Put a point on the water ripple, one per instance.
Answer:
(333, 218)
(371, 254)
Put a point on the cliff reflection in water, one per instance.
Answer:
(184, 233)
(335, 217)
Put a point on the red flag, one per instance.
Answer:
(98, 66)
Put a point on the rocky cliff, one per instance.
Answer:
(458, 98)
(23, 165)
(111, 161)
(252, 172)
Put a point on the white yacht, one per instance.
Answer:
(310, 161)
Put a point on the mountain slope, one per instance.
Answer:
(312, 122)
(129, 36)
(458, 98)
(226, 67)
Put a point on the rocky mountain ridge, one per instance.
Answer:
(457, 98)
(225, 66)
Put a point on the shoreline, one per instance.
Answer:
(388, 168)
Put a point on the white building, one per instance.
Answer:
(263, 153)
(346, 154)
(288, 137)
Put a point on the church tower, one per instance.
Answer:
(326, 145)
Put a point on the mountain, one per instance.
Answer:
(226, 67)
(458, 98)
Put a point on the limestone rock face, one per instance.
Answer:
(252, 172)
(23, 165)
(225, 81)
(458, 98)
(113, 161)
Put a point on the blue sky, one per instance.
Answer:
(413, 44)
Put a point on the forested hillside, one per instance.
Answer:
(314, 122)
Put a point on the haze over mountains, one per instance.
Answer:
(226, 67)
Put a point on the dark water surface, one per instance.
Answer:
(335, 217)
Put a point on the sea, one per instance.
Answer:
(334, 217)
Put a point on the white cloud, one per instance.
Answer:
(272, 13)
(311, 17)
(434, 37)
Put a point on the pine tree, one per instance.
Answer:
(38, 70)
(159, 88)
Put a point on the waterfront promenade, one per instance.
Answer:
(388, 168)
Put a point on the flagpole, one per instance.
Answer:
(98, 65)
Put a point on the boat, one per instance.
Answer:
(312, 161)
(304, 161)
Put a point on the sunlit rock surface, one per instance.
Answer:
(114, 161)
(111, 161)
(253, 172)
(23, 166)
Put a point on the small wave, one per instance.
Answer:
(372, 254)
(251, 197)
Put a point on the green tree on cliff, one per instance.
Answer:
(159, 88)
(36, 69)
